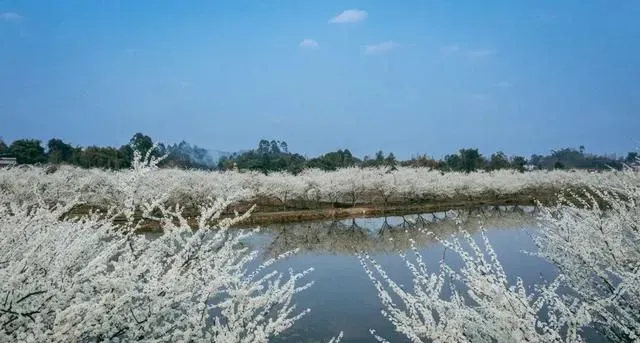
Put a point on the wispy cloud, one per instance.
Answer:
(504, 84)
(349, 16)
(10, 16)
(450, 49)
(379, 48)
(309, 43)
(480, 53)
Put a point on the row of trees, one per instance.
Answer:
(56, 151)
(274, 155)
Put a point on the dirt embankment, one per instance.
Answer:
(271, 211)
(264, 215)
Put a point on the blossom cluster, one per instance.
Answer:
(349, 185)
(84, 279)
(592, 236)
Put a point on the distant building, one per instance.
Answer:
(7, 162)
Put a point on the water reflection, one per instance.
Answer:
(343, 298)
(391, 234)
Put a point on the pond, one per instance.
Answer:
(344, 299)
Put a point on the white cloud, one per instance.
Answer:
(379, 48)
(349, 16)
(480, 53)
(309, 43)
(449, 49)
(10, 16)
(504, 84)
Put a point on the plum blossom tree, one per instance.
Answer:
(592, 238)
(386, 185)
(473, 304)
(86, 279)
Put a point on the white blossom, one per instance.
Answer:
(86, 279)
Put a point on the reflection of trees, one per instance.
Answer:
(393, 233)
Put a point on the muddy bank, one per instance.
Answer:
(270, 211)
(363, 211)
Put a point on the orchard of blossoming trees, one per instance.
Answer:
(594, 241)
(309, 190)
(83, 279)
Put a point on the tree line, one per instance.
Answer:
(56, 151)
(275, 156)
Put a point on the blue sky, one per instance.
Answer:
(404, 76)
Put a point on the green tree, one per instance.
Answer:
(269, 156)
(334, 160)
(379, 157)
(421, 161)
(498, 160)
(264, 146)
(391, 160)
(28, 151)
(102, 157)
(59, 151)
(126, 151)
(453, 162)
(141, 143)
(518, 163)
(471, 160)
(537, 160)
(4, 149)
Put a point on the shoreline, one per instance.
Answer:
(266, 214)
(258, 218)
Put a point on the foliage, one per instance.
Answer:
(28, 151)
(274, 155)
(380, 160)
(334, 160)
(498, 161)
(59, 151)
(269, 156)
(576, 159)
(4, 149)
(422, 161)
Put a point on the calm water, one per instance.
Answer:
(343, 298)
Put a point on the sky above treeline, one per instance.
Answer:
(410, 77)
